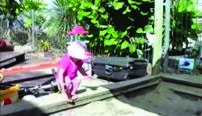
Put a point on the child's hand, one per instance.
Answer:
(88, 77)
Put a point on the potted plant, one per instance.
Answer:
(44, 45)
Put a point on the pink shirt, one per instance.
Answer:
(69, 66)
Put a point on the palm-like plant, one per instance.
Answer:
(60, 19)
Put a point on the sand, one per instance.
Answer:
(110, 107)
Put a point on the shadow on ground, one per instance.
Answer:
(23, 108)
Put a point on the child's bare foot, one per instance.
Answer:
(69, 100)
(69, 96)
(74, 97)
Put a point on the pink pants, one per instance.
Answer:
(72, 85)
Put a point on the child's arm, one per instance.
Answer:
(61, 77)
(83, 72)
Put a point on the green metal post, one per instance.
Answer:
(167, 34)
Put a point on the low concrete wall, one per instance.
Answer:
(190, 86)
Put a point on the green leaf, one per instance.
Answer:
(139, 30)
(101, 38)
(124, 33)
(94, 7)
(108, 36)
(134, 2)
(28, 22)
(74, 9)
(70, 5)
(103, 26)
(97, 3)
(146, 0)
(106, 51)
(134, 6)
(80, 17)
(102, 9)
(17, 11)
(127, 10)
(94, 21)
(110, 29)
(109, 42)
(86, 5)
(93, 15)
(132, 48)
(105, 16)
(144, 13)
(114, 34)
(125, 45)
(82, 14)
(151, 18)
(103, 32)
(195, 27)
(117, 5)
(90, 36)
(190, 8)
(142, 40)
(148, 28)
(129, 27)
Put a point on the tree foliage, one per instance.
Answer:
(60, 19)
(116, 26)
(182, 23)
(10, 9)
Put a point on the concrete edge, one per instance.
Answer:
(104, 92)
(193, 91)
(184, 81)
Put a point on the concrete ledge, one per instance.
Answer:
(56, 102)
(190, 86)
(185, 89)
(194, 82)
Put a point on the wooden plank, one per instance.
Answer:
(7, 58)
(29, 78)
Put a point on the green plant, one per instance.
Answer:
(10, 9)
(61, 18)
(182, 23)
(20, 37)
(116, 26)
(44, 45)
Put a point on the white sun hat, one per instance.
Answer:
(77, 50)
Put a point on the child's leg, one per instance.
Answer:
(68, 88)
(75, 84)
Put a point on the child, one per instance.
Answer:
(69, 65)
